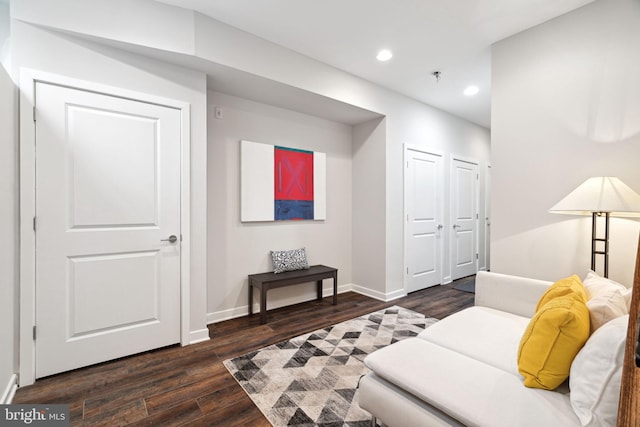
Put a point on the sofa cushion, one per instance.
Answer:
(488, 335)
(596, 374)
(393, 406)
(552, 339)
(606, 299)
(468, 390)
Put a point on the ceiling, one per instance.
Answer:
(450, 36)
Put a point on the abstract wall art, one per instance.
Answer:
(281, 183)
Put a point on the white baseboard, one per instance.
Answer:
(232, 313)
(198, 336)
(386, 297)
(10, 390)
(446, 280)
(222, 315)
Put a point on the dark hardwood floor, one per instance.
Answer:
(190, 385)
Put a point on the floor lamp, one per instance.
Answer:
(600, 196)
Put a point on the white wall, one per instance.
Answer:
(369, 208)
(140, 22)
(8, 230)
(409, 122)
(565, 107)
(198, 41)
(5, 34)
(237, 249)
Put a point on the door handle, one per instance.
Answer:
(456, 226)
(171, 239)
(439, 226)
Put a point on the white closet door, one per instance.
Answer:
(107, 202)
(464, 218)
(424, 206)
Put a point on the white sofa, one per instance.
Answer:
(463, 370)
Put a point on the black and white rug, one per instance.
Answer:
(312, 380)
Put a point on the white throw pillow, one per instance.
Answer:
(627, 296)
(295, 259)
(605, 299)
(596, 373)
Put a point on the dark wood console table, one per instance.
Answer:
(266, 281)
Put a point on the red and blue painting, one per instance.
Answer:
(281, 183)
(293, 183)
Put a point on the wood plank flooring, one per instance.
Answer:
(177, 386)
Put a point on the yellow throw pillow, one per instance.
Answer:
(571, 285)
(551, 341)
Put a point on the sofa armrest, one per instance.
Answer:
(513, 294)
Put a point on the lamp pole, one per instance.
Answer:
(595, 239)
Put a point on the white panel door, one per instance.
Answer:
(487, 221)
(424, 206)
(107, 202)
(464, 212)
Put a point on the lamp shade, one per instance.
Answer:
(600, 194)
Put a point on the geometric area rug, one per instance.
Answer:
(312, 380)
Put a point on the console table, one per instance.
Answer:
(266, 281)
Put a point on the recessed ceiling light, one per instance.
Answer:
(384, 55)
(471, 90)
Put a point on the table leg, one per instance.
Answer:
(263, 304)
(319, 289)
(335, 289)
(250, 298)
